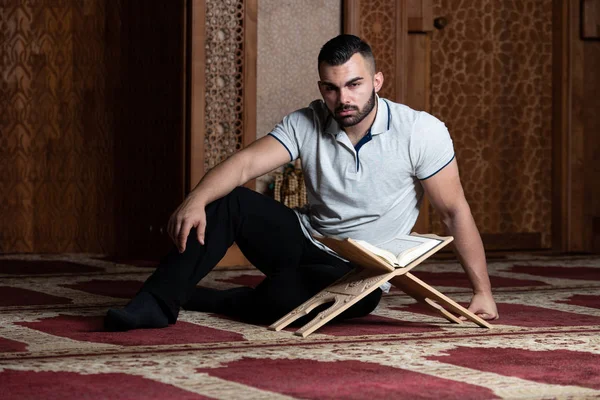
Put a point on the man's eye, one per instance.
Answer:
(354, 84)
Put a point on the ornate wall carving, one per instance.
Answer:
(224, 80)
(491, 85)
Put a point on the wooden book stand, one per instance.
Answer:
(371, 272)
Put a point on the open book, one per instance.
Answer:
(399, 252)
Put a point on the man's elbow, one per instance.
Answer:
(458, 211)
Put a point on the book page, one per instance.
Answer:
(390, 258)
(402, 243)
(408, 248)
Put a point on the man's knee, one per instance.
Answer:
(227, 206)
(241, 192)
(240, 199)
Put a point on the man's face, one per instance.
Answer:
(349, 89)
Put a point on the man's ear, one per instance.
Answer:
(377, 81)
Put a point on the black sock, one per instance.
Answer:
(143, 311)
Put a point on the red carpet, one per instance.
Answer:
(546, 344)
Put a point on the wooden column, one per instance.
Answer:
(418, 68)
(576, 193)
(196, 89)
(222, 88)
(221, 82)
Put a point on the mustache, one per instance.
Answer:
(345, 107)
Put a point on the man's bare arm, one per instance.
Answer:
(445, 192)
(260, 157)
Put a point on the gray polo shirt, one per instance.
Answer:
(370, 191)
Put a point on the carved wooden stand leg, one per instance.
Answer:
(358, 283)
(421, 291)
(344, 293)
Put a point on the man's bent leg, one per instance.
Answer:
(269, 228)
(282, 291)
(276, 296)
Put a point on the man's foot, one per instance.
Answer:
(143, 311)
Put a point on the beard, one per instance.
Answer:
(351, 120)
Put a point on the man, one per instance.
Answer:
(367, 162)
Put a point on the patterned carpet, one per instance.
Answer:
(546, 344)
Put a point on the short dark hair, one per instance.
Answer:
(340, 49)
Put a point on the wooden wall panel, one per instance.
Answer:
(582, 164)
(56, 141)
(196, 91)
(91, 150)
(592, 149)
(418, 93)
(420, 16)
(492, 86)
(590, 19)
(560, 125)
(149, 160)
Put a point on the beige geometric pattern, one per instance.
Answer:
(491, 81)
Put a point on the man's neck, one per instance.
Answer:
(358, 131)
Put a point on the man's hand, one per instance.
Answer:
(260, 157)
(484, 306)
(190, 214)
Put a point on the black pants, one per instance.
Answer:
(269, 235)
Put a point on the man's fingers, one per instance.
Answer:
(171, 229)
(176, 231)
(200, 231)
(486, 316)
(184, 231)
(491, 317)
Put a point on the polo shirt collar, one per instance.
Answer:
(381, 124)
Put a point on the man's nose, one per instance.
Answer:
(344, 96)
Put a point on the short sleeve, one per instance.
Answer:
(431, 147)
(291, 131)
